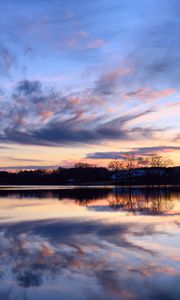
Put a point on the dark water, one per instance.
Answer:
(89, 243)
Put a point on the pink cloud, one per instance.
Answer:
(46, 115)
(147, 94)
(96, 44)
(109, 81)
(81, 40)
(83, 34)
(75, 40)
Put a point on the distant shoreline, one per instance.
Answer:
(88, 185)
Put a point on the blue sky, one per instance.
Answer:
(98, 77)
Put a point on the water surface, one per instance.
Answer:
(89, 243)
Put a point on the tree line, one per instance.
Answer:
(131, 169)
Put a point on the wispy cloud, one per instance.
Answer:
(136, 151)
(36, 115)
(111, 79)
(131, 94)
(28, 167)
(82, 41)
(147, 94)
(7, 60)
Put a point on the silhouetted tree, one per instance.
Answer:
(115, 166)
(83, 165)
(157, 161)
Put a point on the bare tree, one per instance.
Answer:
(83, 165)
(158, 161)
(130, 163)
(116, 165)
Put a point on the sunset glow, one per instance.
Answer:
(87, 81)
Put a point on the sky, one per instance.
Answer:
(88, 81)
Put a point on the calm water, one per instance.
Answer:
(89, 243)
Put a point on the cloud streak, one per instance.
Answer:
(39, 116)
(136, 151)
(148, 94)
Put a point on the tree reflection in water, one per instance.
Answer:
(133, 200)
(147, 201)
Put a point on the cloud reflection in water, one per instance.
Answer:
(91, 258)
